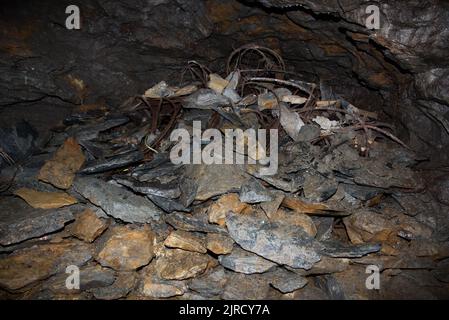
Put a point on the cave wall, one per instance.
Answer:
(124, 47)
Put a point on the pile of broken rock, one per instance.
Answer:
(104, 196)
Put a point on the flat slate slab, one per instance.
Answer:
(282, 243)
(117, 201)
(20, 222)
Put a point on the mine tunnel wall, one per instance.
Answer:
(124, 47)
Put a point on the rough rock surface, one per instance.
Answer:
(116, 201)
(245, 262)
(88, 226)
(177, 264)
(278, 242)
(39, 262)
(127, 249)
(400, 69)
(19, 222)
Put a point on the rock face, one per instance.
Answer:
(116, 201)
(330, 38)
(278, 242)
(127, 249)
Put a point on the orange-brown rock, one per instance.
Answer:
(127, 249)
(186, 241)
(29, 265)
(60, 170)
(228, 202)
(45, 200)
(177, 264)
(219, 243)
(88, 226)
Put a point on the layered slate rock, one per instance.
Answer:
(127, 249)
(287, 281)
(254, 192)
(190, 223)
(91, 277)
(275, 241)
(225, 179)
(245, 262)
(186, 241)
(210, 284)
(122, 285)
(19, 222)
(228, 202)
(39, 262)
(116, 201)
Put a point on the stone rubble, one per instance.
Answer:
(107, 199)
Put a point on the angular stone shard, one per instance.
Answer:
(210, 284)
(339, 250)
(123, 284)
(225, 179)
(160, 289)
(298, 219)
(91, 277)
(186, 241)
(114, 162)
(116, 201)
(254, 192)
(219, 243)
(286, 281)
(60, 170)
(188, 223)
(170, 190)
(127, 249)
(228, 202)
(278, 242)
(177, 264)
(88, 226)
